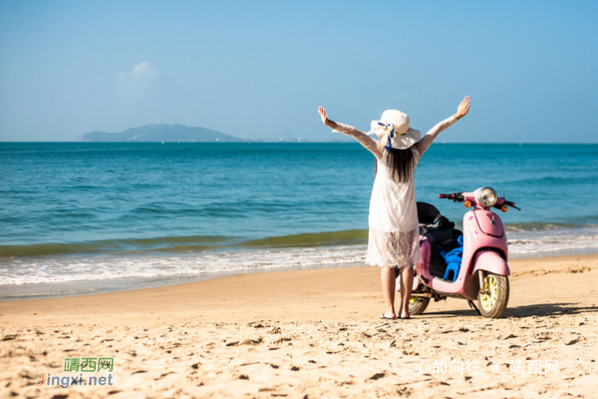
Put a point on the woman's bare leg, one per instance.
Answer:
(388, 287)
(406, 286)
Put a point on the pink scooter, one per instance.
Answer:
(483, 272)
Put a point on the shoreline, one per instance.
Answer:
(137, 283)
(278, 284)
(208, 289)
(309, 332)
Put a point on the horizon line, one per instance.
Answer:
(285, 141)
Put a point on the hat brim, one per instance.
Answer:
(404, 141)
(400, 141)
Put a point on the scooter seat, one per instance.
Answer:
(427, 213)
(441, 237)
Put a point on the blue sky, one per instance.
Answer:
(261, 68)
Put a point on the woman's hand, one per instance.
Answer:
(463, 108)
(323, 115)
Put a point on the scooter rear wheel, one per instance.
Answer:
(493, 302)
(418, 304)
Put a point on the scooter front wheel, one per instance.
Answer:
(418, 304)
(493, 301)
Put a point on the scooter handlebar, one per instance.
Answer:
(460, 197)
(511, 204)
(457, 197)
(500, 202)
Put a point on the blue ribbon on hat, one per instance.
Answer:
(391, 134)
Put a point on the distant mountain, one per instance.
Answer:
(158, 133)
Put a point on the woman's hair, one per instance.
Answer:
(400, 163)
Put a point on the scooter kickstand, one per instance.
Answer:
(474, 307)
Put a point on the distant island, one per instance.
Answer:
(159, 133)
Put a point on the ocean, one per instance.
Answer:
(81, 218)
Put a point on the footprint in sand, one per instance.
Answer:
(377, 376)
(252, 341)
(541, 272)
(571, 339)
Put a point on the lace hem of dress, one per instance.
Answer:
(393, 248)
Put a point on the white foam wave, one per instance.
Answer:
(20, 275)
(553, 242)
(18, 271)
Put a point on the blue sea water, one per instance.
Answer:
(84, 217)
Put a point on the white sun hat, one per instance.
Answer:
(393, 128)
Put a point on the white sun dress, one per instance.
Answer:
(394, 229)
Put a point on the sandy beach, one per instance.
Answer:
(309, 334)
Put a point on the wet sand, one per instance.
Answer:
(310, 334)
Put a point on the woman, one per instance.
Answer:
(394, 230)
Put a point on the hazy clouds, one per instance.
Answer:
(133, 85)
(260, 69)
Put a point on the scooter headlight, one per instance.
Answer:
(486, 196)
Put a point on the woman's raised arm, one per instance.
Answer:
(427, 140)
(370, 144)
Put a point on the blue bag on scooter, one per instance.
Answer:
(453, 260)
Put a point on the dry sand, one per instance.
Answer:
(311, 334)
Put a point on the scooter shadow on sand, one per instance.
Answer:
(520, 312)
